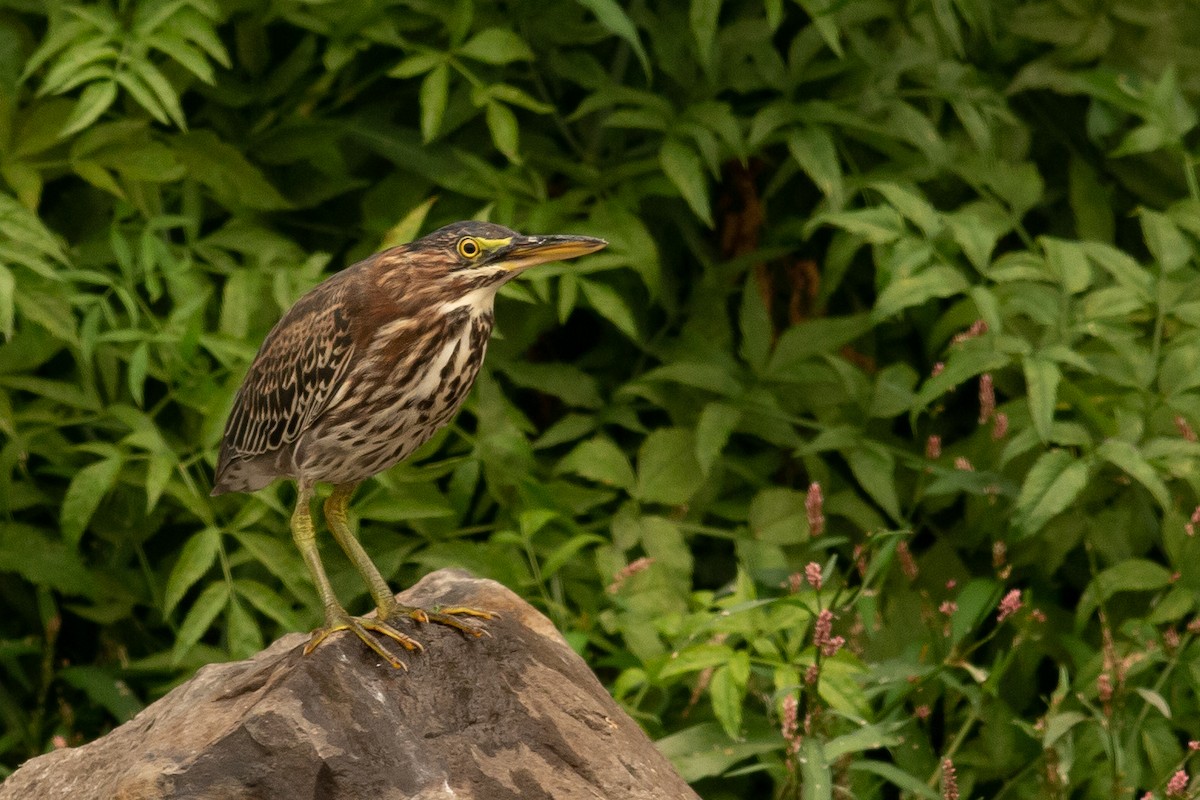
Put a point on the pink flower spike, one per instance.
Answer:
(987, 398)
(978, 328)
(1010, 605)
(627, 572)
(933, 447)
(908, 564)
(1104, 687)
(828, 645)
(999, 426)
(1177, 786)
(814, 505)
(812, 573)
(790, 726)
(962, 463)
(949, 780)
(1185, 428)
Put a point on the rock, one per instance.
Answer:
(514, 715)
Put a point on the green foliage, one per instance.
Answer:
(941, 261)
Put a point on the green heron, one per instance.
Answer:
(362, 371)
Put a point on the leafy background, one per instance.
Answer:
(839, 229)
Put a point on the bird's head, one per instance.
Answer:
(481, 253)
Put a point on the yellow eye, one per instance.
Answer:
(468, 248)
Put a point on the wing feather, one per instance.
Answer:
(303, 360)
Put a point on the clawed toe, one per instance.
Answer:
(446, 616)
(366, 630)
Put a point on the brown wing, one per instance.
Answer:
(300, 365)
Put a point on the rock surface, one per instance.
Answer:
(516, 715)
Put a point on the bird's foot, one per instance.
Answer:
(366, 629)
(442, 616)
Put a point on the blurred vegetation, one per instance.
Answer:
(939, 258)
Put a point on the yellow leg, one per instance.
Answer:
(339, 526)
(336, 618)
(385, 601)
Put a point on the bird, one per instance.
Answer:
(360, 372)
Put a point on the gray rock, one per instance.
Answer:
(514, 715)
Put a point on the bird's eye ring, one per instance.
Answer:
(468, 248)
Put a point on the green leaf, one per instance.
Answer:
(610, 15)
(86, 490)
(269, 603)
(816, 779)
(1059, 724)
(892, 394)
(417, 64)
(1091, 202)
(602, 461)
(610, 305)
(684, 169)
(409, 226)
(242, 632)
(667, 471)
(757, 329)
(664, 542)
(1041, 381)
(200, 618)
(502, 124)
(897, 777)
(282, 560)
(717, 422)
(912, 290)
(704, 750)
(1156, 700)
(814, 337)
(190, 58)
(565, 381)
(696, 658)
(912, 205)
(496, 46)
(164, 93)
(1168, 245)
(8, 290)
(867, 737)
(103, 687)
(815, 152)
(511, 95)
(567, 552)
(1128, 459)
(704, 16)
(142, 95)
(874, 468)
(877, 225)
(195, 559)
(138, 364)
(1131, 575)
(28, 552)
(1050, 487)
(778, 516)
(727, 698)
(235, 182)
(435, 89)
(93, 102)
(1067, 261)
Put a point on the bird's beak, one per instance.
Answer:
(529, 251)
